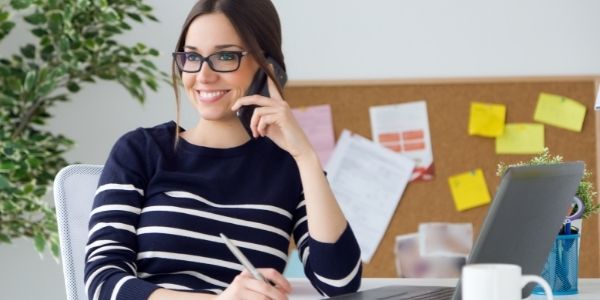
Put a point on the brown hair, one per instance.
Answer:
(256, 22)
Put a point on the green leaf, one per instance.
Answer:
(30, 79)
(153, 52)
(4, 16)
(7, 26)
(151, 83)
(55, 20)
(20, 4)
(135, 17)
(73, 87)
(4, 183)
(28, 51)
(13, 83)
(4, 238)
(39, 32)
(36, 18)
(55, 248)
(148, 63)
(40, 242)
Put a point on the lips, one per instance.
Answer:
(208, 96)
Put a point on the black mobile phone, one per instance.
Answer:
(259, 86)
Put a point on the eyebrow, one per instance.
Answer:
(217, 47)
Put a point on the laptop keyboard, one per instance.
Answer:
(435, 294)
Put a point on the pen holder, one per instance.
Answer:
(562, 267)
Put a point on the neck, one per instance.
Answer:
(213, 134)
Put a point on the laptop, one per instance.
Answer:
(527, 213)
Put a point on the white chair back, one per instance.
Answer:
(74, 189)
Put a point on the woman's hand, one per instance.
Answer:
(244, 286)
(274, 119)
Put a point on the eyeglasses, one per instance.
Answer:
(224, 61)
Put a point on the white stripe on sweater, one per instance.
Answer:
(97, 292)
(191, 273)
(303, 219)
(99, 243)
(119, 285)
(216, 217)
(275, 209)
(106, 248)
(116, 207)
(90, 279)
(101, 225)
(212, 238)
(172, 286)
(117, 186)
(343, 281)
(190, 258)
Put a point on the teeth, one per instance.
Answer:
(207, 94)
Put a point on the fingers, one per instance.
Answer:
(262, 117)
(273, 91)
(252, 100)
(246, 287)
(278, 279)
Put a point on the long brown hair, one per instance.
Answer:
(256, 22)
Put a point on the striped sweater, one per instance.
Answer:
(159, 209)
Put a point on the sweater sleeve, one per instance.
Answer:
(332, 268)
(110, 256)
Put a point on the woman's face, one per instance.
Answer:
(213, 93)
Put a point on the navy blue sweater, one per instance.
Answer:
(159, 209)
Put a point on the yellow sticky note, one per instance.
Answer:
(469, 190)
(487, 119)
(559, 111)
(521, 138)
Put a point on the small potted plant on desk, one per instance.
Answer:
(562, 266)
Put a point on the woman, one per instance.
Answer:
(166, 193)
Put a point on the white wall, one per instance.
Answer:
(331, 40)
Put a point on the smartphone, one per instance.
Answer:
(260, 86)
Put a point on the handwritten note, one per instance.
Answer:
(559, 111)
(487, 119)
(367, 180)
(318, 127)
(521, 138)
(469, 190)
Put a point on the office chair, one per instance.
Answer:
(74, 189)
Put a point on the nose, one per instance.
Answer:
(206, 74)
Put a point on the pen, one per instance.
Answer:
(567, 227)
(245, 262)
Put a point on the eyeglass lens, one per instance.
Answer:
(219, 62)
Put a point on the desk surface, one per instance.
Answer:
(588, 288)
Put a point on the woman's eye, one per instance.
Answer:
(226, 56)
(192, 57)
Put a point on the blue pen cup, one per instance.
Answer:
(562, 267)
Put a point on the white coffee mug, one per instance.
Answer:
(497, 282)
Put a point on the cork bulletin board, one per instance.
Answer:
(454, 151)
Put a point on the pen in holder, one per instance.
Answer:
(562, 267)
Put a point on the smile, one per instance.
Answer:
(210, 96)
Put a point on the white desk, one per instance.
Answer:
(589, 289)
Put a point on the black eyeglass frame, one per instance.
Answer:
(239, 54)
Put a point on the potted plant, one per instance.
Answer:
(585, 191)
(73, 43)
(562, 265)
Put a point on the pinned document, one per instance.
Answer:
(521, 138)
(404, 128)
(469, 190)
(317, 124)
(486, 119)
(559, 111)
(368, 181)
